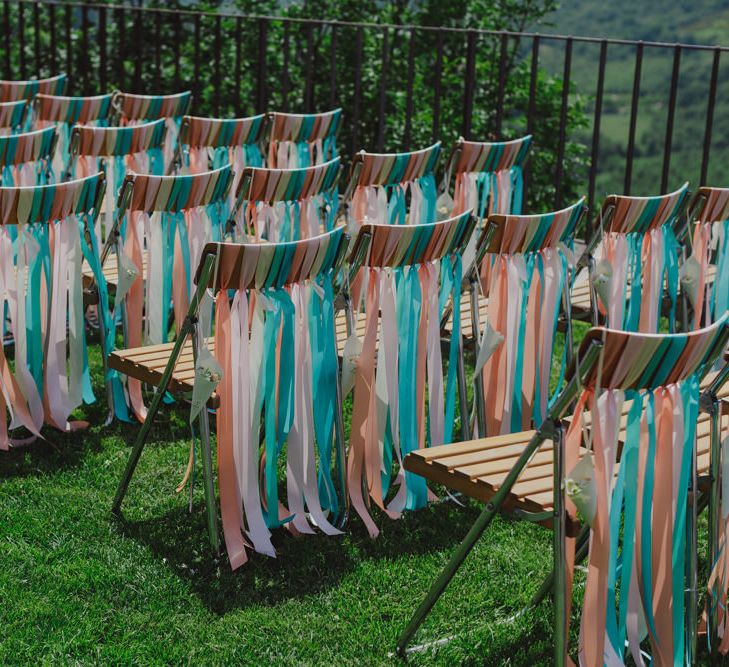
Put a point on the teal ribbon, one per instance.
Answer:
(325, 370)
(279, 414)
(451, 278)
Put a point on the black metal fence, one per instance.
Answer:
(478, 83)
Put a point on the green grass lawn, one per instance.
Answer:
(78, 587)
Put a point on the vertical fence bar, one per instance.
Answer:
(469, 83)
(21, 39)
(437, 84)
(238, 65)
(594, 157)
(668, 143)
(262, 40)
(407, 134)
(309, 90)
(37, 38)
(501, 85)
(121, 26)
(216, 69)
(357, 88)
(158, 50)
(83, 55)
(633, 118)
(710, 117)
(333, 69)
(196, 58)
(285, 80)
(176, 50)
(52, 29)
(101, 35)
(69, 45)
(562, 140)
(382, 105)
(531, 112)
(6, 30)
(138, 34)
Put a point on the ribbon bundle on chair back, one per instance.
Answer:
(710, 212)
(287, 204)
(639, 508)
(135, 109)
(276, 345)
(302, 140)
(12, 91)
(169, 219)
(382, 182)
(488, 176)
(116, 150)
(409, 274)
(63, 113)
(524, 275)
(638, 253)
(12, 115)
(210, 143)
(26, 158)
(42, 294)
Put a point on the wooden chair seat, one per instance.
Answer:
(478, 468)
(147, 364)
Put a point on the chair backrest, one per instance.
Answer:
(709, 294)
(302, 140)
(25, 158)
(287, 204)
(12, 91)
(133, 109)
(488, 175)
(42, 296)
(276, 346)
(638, 252)
(12, 115)
(525, 275)
(64, 112)
(116, 150)
(381, 184)
(207, 143)
(637, 512)
(408, 274)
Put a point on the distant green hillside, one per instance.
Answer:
(701, 21)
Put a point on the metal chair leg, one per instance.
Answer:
(559, 526)
(208, 484)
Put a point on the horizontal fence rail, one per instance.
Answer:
(592, 109)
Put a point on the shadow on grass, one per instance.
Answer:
(304, 566)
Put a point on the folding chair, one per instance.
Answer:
(286, 204)
(275, 349)
(631, 256)
(12, 116)
(637, 499)
(63, 113)
(408, 273)
(134, 109)
(25, 158)
(43, 301)
(163, 224)
(521, 290)
(12, 91)
(708, 289)
(116, 151)
(210, 143)
(302, 140)
(381, 184)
